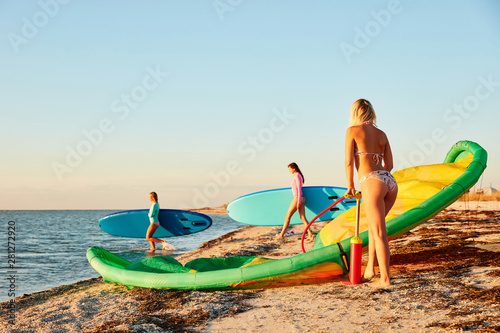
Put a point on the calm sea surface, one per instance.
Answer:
(50, 246)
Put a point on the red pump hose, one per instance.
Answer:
(314, 219)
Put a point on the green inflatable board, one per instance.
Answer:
(423, 192)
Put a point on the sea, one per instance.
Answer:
(42, 249)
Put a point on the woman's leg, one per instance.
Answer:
(152, 240)
(372, 257)
(369, 273)
(302, 213)
(374, 193)
(291, 210)
(149, 235)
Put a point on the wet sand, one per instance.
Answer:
(445, 275)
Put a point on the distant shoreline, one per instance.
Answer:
(219, 210)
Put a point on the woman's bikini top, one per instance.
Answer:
(377, 157)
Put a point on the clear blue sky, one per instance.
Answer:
(204, 101)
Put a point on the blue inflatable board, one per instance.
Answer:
(135, 223)
(269, 208)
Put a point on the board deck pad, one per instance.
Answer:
(173, 222)
(269, 208)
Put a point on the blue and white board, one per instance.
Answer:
(173, 222)
(269, 208)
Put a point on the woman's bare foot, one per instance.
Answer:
(380, 284)
(367, 276)
(279, 238)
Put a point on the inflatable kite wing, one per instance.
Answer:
(423, 192)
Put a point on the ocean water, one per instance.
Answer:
(46, 248)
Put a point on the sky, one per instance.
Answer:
(103, 102)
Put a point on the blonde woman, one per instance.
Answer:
(154, 211)
(367, 148)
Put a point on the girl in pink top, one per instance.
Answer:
(297, 202)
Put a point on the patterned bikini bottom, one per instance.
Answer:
(382, 175)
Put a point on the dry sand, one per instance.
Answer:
(475, 205)
(445, 274)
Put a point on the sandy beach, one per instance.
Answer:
(445, 275)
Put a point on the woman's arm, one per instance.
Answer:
(298, 186)
(151, 211)
(349, 161)
(154, 210)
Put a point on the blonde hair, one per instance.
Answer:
(154, 195)
(362, 111)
